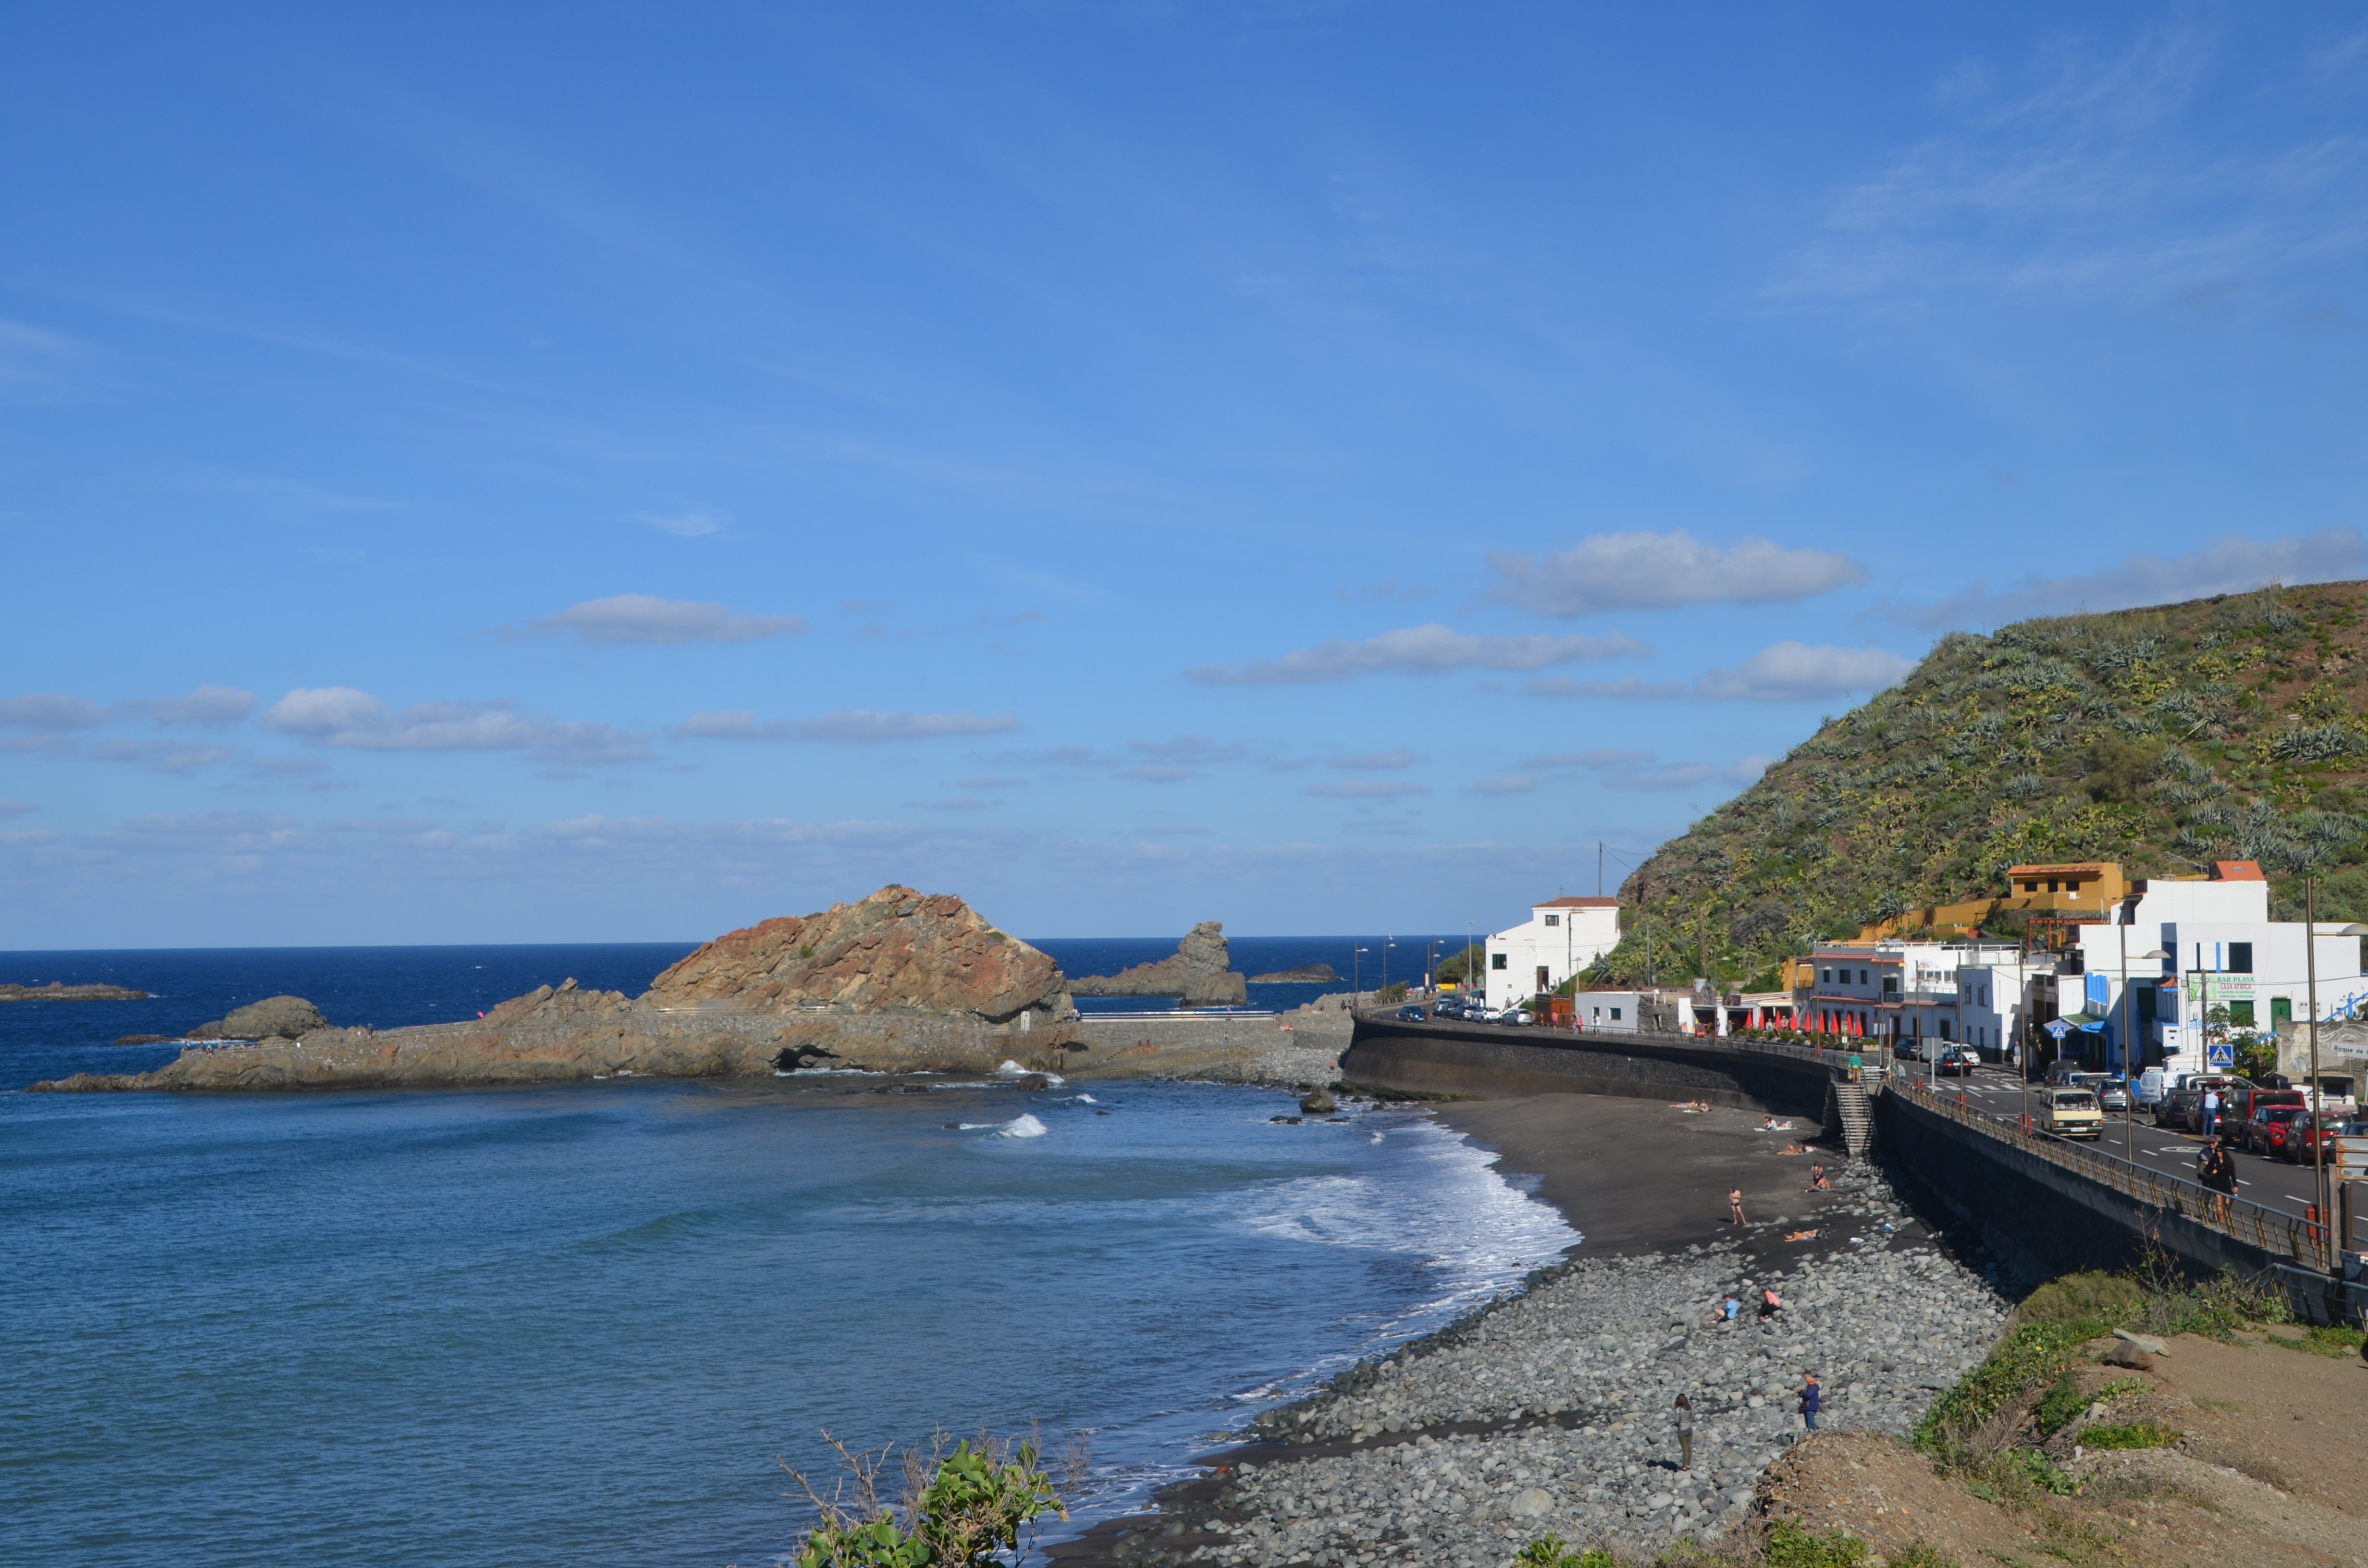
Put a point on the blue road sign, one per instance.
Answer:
(2220, 1055)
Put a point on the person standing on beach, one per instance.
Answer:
(1685, 1433)
(1809, 1400)
(1734, 1206)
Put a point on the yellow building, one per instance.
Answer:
(2087, 887)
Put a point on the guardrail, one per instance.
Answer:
(2281, 1235)
(1874, 1061)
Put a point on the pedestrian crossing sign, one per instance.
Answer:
(2220, 1055)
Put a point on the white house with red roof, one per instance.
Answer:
(1562, 937)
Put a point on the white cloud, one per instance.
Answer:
(1418, 650)
(215, 707)
(1377, 761)
(1647, 571)
(1627, 687)
(2230, 564)
(642, 621)
(351, 720)
(51, 712)
(1504, 784)
(16, 808)
(849, 726)
(1368, 789)
(1793, 672)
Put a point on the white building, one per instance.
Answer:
(2222, 950)
(1563, 936)
(1621, 1012)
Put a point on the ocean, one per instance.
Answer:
(589, 1324)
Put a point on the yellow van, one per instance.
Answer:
(2071, 1113)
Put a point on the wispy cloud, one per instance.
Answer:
(1376, 761)
(38, 365)
(849, 726)
(685, 525)
(347, 719)
(1418, 650)
(1645, 771)
(2085, 176)
(17, 808)
(1145, 762)
(1627, 687)
(1793, 672)
(2230, 564)
(1367, 789)
(1504, 784)
(640, 620)
(1649, 570)
(57, 724)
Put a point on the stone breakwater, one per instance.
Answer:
(1551, 1412)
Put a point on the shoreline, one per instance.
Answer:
(1523, 1418)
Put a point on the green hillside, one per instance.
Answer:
(2229, 728)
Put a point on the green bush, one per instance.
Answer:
(2128, 1435)
(962, 1509)
(2321, 1339)
(2095, 1301)
(1790, 1546)
(1553, 1551)
(2060, 1405)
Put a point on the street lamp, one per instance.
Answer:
(1355, 976)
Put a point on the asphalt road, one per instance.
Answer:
(2273, 1184)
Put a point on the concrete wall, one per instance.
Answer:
(1439, 1058)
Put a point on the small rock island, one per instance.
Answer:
(1199, 973)
(58, 991)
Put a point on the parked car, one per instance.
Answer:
(2309, 1133)
(2247, 1098)
(1412, 1013)
(2153, 1085)
(1958, 1061)
(2071, 1113)
(1478, 1013)
(1519, 1016)
(2111, 1093)
(2191, 1099)
(2177, 1107)
(2270, 1126)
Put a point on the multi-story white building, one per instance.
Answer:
(1562, 937)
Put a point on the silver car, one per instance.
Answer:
(2111, 1093)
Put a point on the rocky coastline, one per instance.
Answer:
(58, 991)
(1305, 974)
(1551, 1412)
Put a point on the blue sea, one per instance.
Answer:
(588, 1324)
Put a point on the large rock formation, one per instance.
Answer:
(898, 982)
(274, 1018)
(897, 951)
(1199, 973)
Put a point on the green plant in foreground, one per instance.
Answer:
(1553, 1551)
(2321, 1339)
(961, 1509)
(2129, 1434)
(1790, 1546)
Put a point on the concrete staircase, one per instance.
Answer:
(1850, 1112)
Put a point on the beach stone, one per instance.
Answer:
(1320, 1103)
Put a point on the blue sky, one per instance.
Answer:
(621, 472)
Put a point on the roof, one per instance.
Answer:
(2096, 867)
(1577, 904)
(2236, 872)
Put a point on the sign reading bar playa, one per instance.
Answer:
(2205, 987)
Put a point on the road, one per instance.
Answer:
(2273, 1184)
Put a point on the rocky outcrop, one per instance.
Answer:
(1305, 974)
(1199, 973)
(58, 991)
(898, 982)
(274, 1018)
(897, 951)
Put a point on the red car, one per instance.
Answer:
(2273, 1128)
(2304, 1142)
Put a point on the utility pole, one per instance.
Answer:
(2129, 1088)
(1599, 867)
(2311, 1101)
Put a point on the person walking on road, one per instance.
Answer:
(1809, 1400)
(2216, 1170)
(2211, 1111)
(1685, 1433)
(1734, 1206)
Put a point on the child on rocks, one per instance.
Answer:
(1809, 1400)
(1685, 1433)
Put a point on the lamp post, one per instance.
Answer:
(1356, 977)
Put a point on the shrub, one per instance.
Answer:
(1553, 1551)
(962, 1509)
(2129, 1434)
(1790, 1546)
(2096, 1301)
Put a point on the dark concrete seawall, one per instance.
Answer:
(1447, 1059)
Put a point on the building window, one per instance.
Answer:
(1553, 919)
(2240, 958)
(1861, 977)
(1827, 975)
(1616, 1015)
(1945, 1028)
(1497, 960)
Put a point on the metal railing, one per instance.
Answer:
(2283, 1235)
(1874, 1057)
